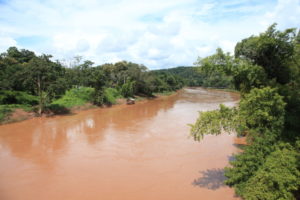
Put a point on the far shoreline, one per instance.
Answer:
(19, 115)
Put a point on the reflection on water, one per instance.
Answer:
(141, 151)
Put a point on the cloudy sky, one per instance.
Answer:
(156, 33)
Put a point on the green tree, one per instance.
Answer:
(278, 178)
(22, 56)
(262, 110)
(272, 50)
(246, 76)
(41, 73)
(266, 71)
(127, 89)
(259, 111)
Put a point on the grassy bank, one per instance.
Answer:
(74, 99)
(10, 101)
(8, 109)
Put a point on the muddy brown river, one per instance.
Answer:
(127, 152)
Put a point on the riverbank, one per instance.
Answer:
(17, 113)
(142, 150)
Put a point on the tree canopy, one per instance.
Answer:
(265, 69)
(24, 74)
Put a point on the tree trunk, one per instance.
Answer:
(40, 96)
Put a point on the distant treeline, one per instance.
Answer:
(193, 76)
(37, 82)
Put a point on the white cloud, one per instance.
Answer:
(286, 14)
(6, 42)
(155, 33)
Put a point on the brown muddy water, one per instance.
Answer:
(135, 152)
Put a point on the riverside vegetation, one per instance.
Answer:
(265, 69)
(36, 83)
(41, 85)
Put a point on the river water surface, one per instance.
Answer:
(136, 152)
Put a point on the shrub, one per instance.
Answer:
(278, 178)
(84, 93)
(127, 89)
(17, 97)
(58, 109)
(111, 95)
(4, 111)
(263, 109)
(75, 97)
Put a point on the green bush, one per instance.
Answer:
(84, 93)
(263, 109)
(127, 89)
(58, 109)
(17, 97)
(246, 164)
(111, 95)
(75, 97)
(98, 98)
(4, 111)
(278, 178)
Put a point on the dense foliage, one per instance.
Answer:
(192, 76)
(265, 69)
(38, 81)
(47, 85)
(75, 97)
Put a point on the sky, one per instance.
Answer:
(156, 33)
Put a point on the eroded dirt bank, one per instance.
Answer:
(126, 152)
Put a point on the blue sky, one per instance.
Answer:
(156, 33)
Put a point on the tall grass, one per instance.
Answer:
(75, 97)
(111, 95)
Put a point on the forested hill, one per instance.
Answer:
(193, 76)
(190, 75)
